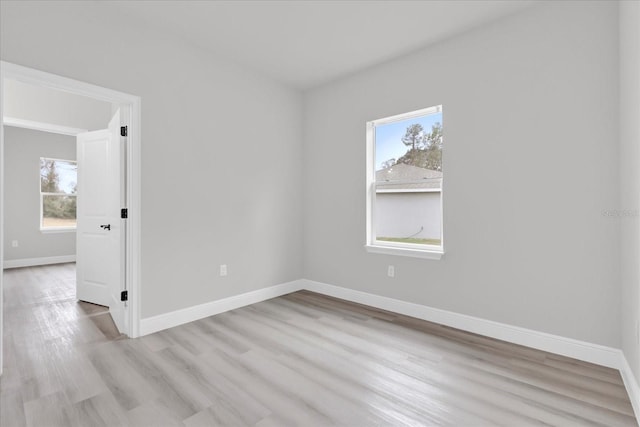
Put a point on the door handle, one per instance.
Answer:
(106, 227)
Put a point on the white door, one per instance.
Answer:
(99, 231)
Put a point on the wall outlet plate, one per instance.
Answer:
(14, 243)
(391, 271)
(223, 269)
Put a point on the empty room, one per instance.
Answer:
(320, 213)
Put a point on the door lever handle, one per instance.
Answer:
(106, 227)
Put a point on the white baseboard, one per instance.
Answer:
(581, 350)
(189, 314)
(31, 262)
(631, 384)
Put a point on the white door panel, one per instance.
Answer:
(99, 232)
(117, 308)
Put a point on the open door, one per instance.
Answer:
(100, 231)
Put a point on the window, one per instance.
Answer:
(58, 186)
(404, 184)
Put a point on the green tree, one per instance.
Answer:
(49, 179)
(433, 148)
(413, 136)
(426, 148)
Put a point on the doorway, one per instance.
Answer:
(128, 279)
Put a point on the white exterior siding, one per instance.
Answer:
(408, 214)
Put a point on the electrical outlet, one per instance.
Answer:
(391, 271)
(638, 332)
(223, 269)
(14, 243)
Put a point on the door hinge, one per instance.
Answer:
(123, 130)
(124, 213)
(124, 296)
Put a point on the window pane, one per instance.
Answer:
(408, 217)
(58, 176)
(58, 211)
(408, 180)
(415, 142)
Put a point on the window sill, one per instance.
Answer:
(58, 230)
(415, 253)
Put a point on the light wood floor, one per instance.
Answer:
(302, 359)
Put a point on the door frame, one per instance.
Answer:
(133, 167)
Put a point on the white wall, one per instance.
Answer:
(531, 155)
(38, 104)
(411, 214)
(630, 178)
(531, 107)
(221, 154)
(22, 151)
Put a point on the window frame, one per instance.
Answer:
(373, 245)
(50, 229)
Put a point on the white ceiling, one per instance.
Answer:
(307, 43)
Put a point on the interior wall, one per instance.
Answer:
(38, 104)
(22, 151)
(530, 168)
(221, 150)
(222, 164)
(630, 179)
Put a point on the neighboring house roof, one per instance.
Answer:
(404, 177)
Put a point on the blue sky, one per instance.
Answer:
(389, 137)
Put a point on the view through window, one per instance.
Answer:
(406, 186)
(58, 188)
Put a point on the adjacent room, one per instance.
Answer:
(320, 213)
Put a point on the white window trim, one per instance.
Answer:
(403, 251)
(42, 194)
(52, 230)
(408, 190)
(373, 245)
(406, 116)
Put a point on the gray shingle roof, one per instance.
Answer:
(412, 177)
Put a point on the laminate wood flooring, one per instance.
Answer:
(302, 359)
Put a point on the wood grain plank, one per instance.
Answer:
(301, 359)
